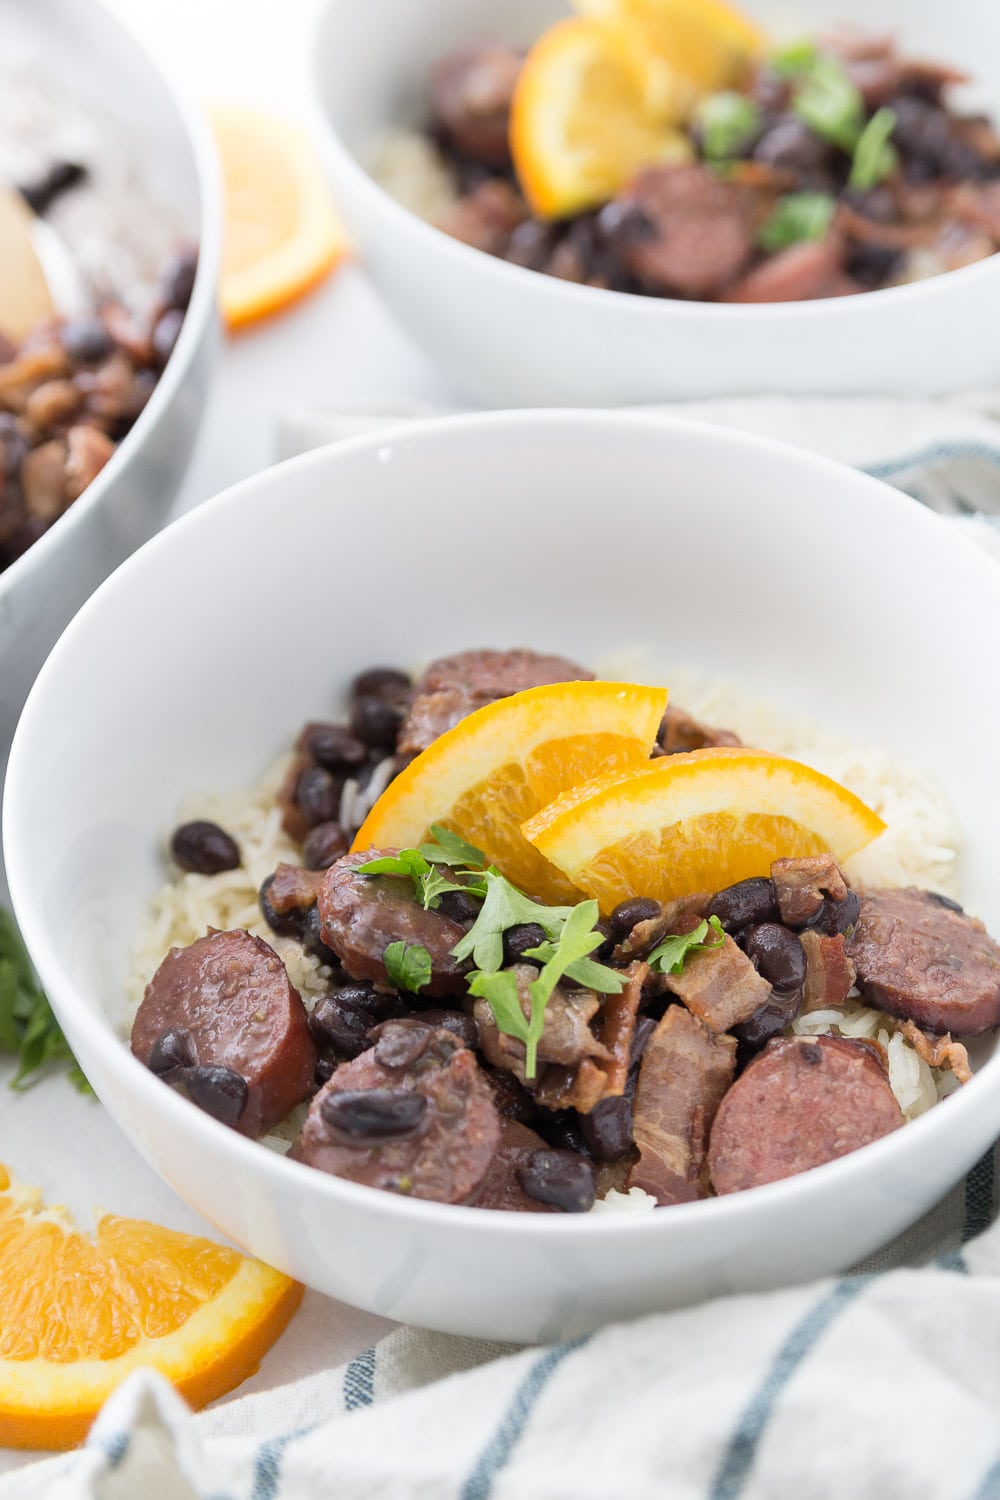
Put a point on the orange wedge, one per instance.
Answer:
(280, 233)
(505, 761)
(79, 1313)
(583, 118)
(709, 43)
(696, 822)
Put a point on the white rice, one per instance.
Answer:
(412, 170)
(919, 848)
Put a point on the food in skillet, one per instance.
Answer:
(581, 947)
(666, 147)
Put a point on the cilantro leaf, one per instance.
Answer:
(501, 993)
(796, 57)
(450, 849)
(28, 1028)
(670, 956)
(408, 965)
(434, 885)
(796, 216)
(726, 122)
(874, 155)
(408, 864)
(504, 906)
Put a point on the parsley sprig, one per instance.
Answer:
(28, 1028)
(424, 867)
(671, 955)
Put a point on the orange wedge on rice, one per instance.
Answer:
(79, 1312)
(709, 43)
(586, 114)
(696, 822)
(501, 764)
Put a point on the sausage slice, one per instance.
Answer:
(921, 957)
(413, 1115)
(229, 1000)
(802, 1101)
(360, 915)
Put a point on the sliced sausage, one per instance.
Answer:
(471, 92)
(454, 686)
(360, 915)
(802, 1102)
(809, 269)
(413, 1115)
(229, 997)
(680, 731)
(698, 233)
(921, 957)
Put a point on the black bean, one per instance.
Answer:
(218, 1091)
(517, 939)
(325, 1069)
(607, 1129)
(746, 902)
(563, 1129)
(836, 916)
(561, 1178)
(455, 1021)
(165, 334)
(399, 1043)
(790, 143)
(204, 848)
(610, 942)
(384, 1005)
(317, 796)
(625, 223)
(374, 1114)
(876, 203)
(174, 1049)
(312, 939)
(86, 341)
(380, 682)
(873, 265)
(177, 279)
(771, 1019)
(459, 907)
(627, 914)
(342, 1027)
(41, 194)
(531, 244)
(336, 748)
(323, 845)
(940, 900)
(377, 721)
(777, 955)
(284, 923)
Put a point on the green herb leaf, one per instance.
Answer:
(450, 849)
(829, 102)
(796, 216)
(501, 993)
(28, 1028)
(408, 966)
(505, 906)
(726, 122)
(408, 863)
(670, 956)
(797, 57)
(874, 155)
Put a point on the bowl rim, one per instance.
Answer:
(811, 311)
(200, 314)
(873, 1160)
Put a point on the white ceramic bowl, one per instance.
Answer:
(82, 48)
(517, 338)
(807, 584)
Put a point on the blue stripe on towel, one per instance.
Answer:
(359, 1381)
(496, 1455)
(979, 1195)
(989, 1489)
(738, 1458)
(267, 1467)
(936, 453)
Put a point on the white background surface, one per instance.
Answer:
(337, 346)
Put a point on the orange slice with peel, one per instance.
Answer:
(78, 1313)
(709, 43)
(583, 118)
(499, 765)
(696, 822)
(280, 232)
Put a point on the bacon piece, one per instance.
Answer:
(811, 268)
(938, 1051)
(685, 1072)
(830, 974)
(680, 730)
(720, 986)
(680, 916)
(801, 884)
(294, 889)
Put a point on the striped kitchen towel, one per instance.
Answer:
(883, 1384)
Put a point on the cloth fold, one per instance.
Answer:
(881, 1384)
